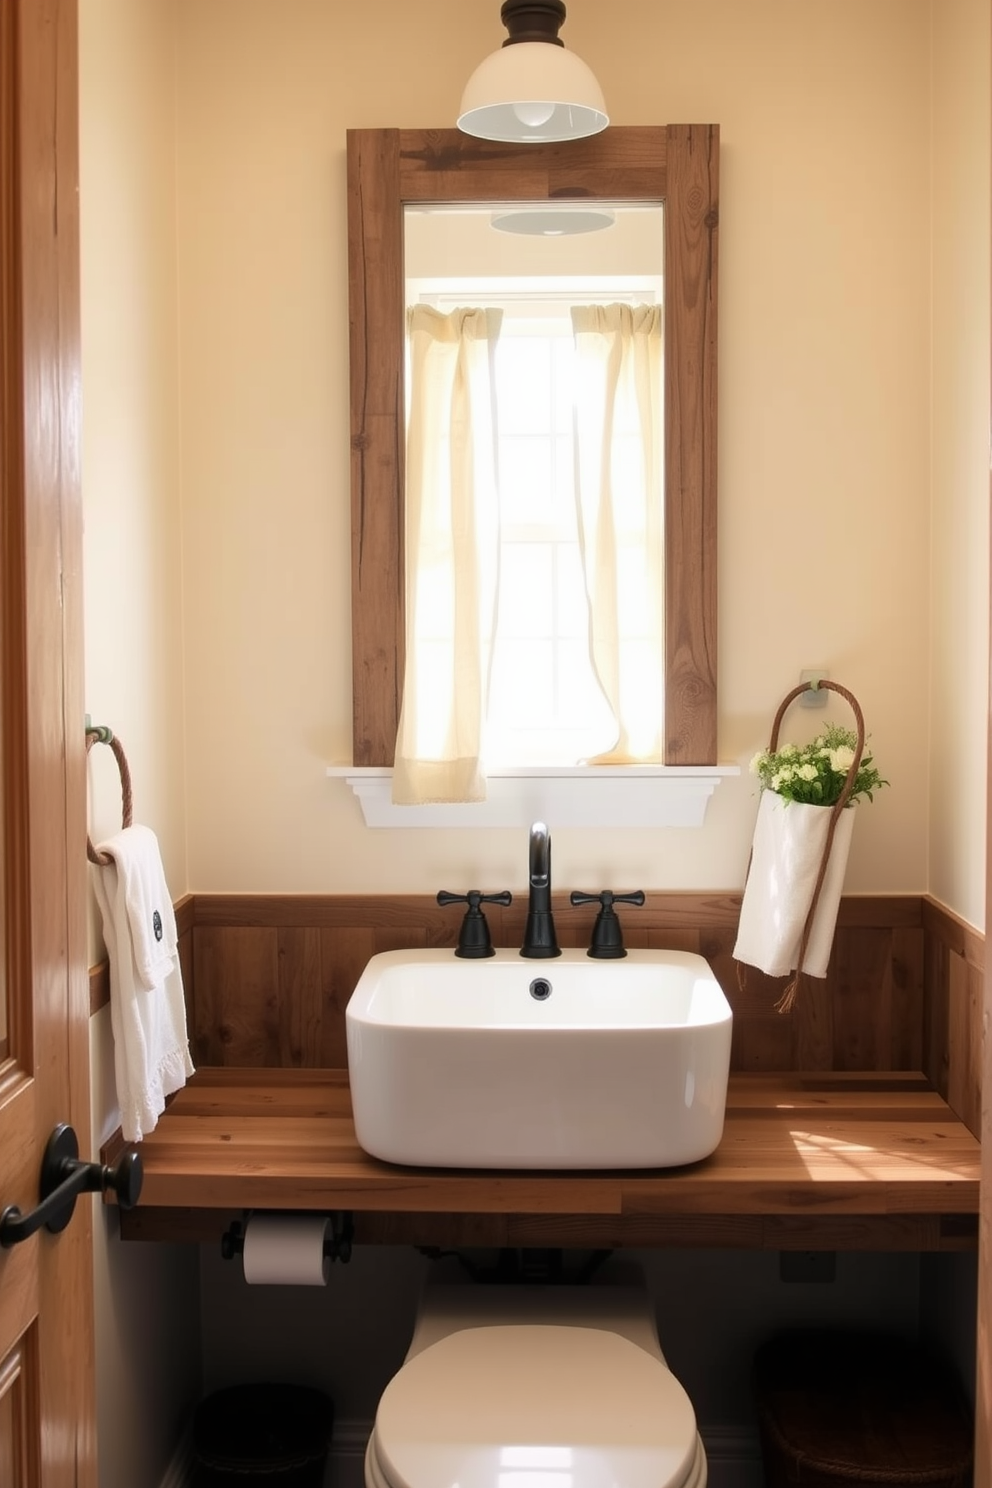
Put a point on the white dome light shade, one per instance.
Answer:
(533, 91)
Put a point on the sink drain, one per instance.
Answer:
(540, 989)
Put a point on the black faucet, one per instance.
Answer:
(540, 940)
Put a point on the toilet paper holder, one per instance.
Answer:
(337, 1245)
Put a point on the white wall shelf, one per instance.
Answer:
(575, 796)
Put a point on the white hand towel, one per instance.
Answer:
(789, 839)
(147, 1006)
(148, 903)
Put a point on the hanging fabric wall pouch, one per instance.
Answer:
(802, 836)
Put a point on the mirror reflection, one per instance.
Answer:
(535, 405)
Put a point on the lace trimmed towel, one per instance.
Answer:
(147, 1006)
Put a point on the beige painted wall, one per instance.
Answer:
(825, 414)
(147, 1321)
(131, 466)
(829, 271)
(959, 526)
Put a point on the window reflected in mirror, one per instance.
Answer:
(570, 621)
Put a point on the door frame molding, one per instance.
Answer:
(47, 1077)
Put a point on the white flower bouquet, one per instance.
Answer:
(816, 773)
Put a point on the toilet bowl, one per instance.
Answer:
(534, 1386)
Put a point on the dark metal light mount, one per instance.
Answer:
(533, 20)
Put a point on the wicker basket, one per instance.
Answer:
(839, 1409)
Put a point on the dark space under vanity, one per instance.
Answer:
(851, 1123)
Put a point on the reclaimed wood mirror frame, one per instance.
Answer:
(390, 168)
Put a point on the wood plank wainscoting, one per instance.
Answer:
(268, 978)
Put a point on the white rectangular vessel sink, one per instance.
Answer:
(567, 1062)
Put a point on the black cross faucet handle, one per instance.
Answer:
(474, 940)
(607, 937)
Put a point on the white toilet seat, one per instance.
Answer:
(534, 1406)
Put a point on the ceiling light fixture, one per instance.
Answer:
(532, 90)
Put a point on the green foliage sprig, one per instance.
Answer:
(815, 773)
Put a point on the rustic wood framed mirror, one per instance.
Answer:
(391, 168)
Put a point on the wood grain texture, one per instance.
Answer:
(263, 963)
(844, 1148)
(953, 1038)
(692, 218)
(791, 1176)
(906, 1232)
(99, 986)
(445, 165)
(238, 1006)
(268, 978)
(376, 340)
(46, 1296)
(386, 169)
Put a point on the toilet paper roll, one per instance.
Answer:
(286, 1250)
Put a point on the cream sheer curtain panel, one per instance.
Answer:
(452, 555)
(619, 456)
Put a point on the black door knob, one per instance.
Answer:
(63, 1179)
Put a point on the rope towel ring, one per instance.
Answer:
(788, 998)
(104, 736)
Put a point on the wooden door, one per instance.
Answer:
(47, 1414)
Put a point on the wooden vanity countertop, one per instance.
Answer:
(832, 1160)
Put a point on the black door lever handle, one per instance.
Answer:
(63, 1179)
